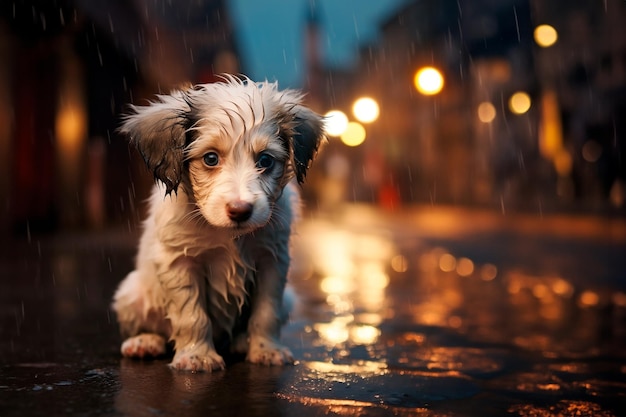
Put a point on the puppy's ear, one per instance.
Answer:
(159, 132)
(308, 134)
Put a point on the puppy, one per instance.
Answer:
(213, 258)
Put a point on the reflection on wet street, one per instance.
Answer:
(442, 312)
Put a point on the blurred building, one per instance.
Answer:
(67, 69)
(511, 126)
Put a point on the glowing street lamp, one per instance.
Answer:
(428, 81)
(335, 122)
(486, 112)
(354, 134)
(366, 110)
(519, 103)
(545, 35)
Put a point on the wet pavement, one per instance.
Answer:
(428, 311)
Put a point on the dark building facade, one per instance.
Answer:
(441, 149)
(67, 70)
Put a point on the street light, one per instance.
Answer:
(366, 110)
(335, 122)
(519, 103)
(486, 112)
(545, 35)
(354, 134)
(428, 81)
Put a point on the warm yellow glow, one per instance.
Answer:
(366, 110)
(563, 163)
(374, 276)
(562, 287)
(519, 103)
(399, 263)
(550, 129)
(486, 112)
(447, 262)
(71, 128)
(545, 35)
(540, 290)
(589, 298)
(364, 334)
(335, 332)
(354, 134)
(335, 122)
(464, 267)
(363, 368)
(336, 285)
(428, 81)
(488, 272)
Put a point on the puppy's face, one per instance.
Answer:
(236, 171)
(233, 146)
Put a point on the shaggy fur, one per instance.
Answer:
(213, 258)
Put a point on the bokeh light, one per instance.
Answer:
(429, 81)
(488, 272)
(447, 262)
(465, 267)
(335, 122)
(399, 263)
(354, 135)
(486, 112)
(520, 102)
(545, 35)
(591, 151)
(366, 110)
(589, 298)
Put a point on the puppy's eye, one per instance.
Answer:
(211, 159)
(265, 161)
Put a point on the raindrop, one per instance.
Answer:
(99, 54)
(519, 39)
(356, 27)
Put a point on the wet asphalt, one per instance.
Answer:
(423, 311)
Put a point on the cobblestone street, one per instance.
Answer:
(428, 311)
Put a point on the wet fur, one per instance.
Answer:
(206, 273)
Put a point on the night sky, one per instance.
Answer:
(270, 33)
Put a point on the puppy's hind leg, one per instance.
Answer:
(141, 317)
(144, 345)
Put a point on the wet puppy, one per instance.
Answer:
(213, 258)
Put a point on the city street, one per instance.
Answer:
(430, 311)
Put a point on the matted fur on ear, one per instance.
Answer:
(158, 131)
(308, 135)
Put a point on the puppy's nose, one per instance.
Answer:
(239, 211)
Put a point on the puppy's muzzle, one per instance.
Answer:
(239, 211)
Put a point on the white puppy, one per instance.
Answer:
(213, 258)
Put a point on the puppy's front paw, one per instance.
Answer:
(265, 351)
(197, 359)
(144, 345)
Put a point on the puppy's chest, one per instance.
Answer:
(230, 272)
